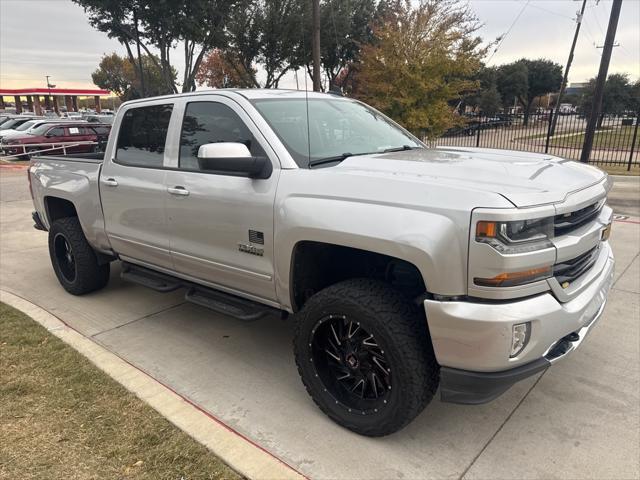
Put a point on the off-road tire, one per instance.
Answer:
(89, 274)
(399, 326)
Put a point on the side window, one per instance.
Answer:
(211, 122)
(56, 132)
(74, 131)
(142, 136)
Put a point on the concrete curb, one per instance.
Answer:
(237, 451)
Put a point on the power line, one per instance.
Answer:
(501, 41)
(552, 12)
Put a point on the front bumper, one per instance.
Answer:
(472, 341)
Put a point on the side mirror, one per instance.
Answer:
(232, 158)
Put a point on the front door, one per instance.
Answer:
(132, 187)
(221, 225)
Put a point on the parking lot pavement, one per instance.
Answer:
(579, 419)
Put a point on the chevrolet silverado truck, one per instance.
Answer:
(404, 268)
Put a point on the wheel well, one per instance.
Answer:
(317, 265)
(59, 208)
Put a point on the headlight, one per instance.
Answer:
(519, 236)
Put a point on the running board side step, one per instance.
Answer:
(221, 302)
(227, 304)
(148, 278)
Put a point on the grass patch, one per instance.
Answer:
(620, 169)
(61, 417)
(613, 139)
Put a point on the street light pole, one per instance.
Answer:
(315, 44)
(48, 88)
(602, 77)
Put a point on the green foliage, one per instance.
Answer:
(345, 26)
(512, 82)
(619, 96)
(423, 58)
(267, 34)
(120, 76)
(489, 101)
(160, 24)
(527, 79)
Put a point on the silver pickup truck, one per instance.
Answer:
(403, 267)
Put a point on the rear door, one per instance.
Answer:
(221, 225)
(77, 134)
(132, 186)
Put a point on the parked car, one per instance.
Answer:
(73, 115)
(404, 268)
(27, 127)
(99, 118)
(51, 135)
(15, 121)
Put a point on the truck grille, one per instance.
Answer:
(567, 222)
(569, 270)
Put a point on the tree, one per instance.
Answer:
(422, 58)
(267, 34)
(542, 77)
(618, 95)
(120, 76)
(512, 82)
(489, 101)
(486, 98)
(345, 26)
(224, 70)
(161, 24)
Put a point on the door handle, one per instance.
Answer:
(178, 190)
(111, 182)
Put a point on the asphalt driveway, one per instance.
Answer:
(579, 419)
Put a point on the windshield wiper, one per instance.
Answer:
(335, 158)
(344, 156)
(400, 149)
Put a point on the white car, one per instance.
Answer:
(26, 127)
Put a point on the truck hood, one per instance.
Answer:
(525, 179)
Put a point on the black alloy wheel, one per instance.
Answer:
(364, 354)
(64, 257)
(351, 364)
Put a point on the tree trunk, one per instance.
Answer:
(140, 65)
(527, 113)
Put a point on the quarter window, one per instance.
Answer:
(211, 122)
(142, 136)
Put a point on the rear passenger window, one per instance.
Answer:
(212, 122)
(56, 132)
(142, 136)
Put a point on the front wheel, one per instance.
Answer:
(365, 356)
(74, 261)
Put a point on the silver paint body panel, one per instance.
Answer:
(420, 206)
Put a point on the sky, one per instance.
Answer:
(53, 37)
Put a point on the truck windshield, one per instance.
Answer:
(336, 129)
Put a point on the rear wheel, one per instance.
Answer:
(365, 356)
(74, 261)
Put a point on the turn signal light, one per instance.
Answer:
(510, 279)
(486, 229)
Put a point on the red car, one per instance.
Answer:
(56, 134)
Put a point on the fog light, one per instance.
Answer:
(519, 338)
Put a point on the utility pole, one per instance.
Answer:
(563, 86)
(315, 44)
(602, 77)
